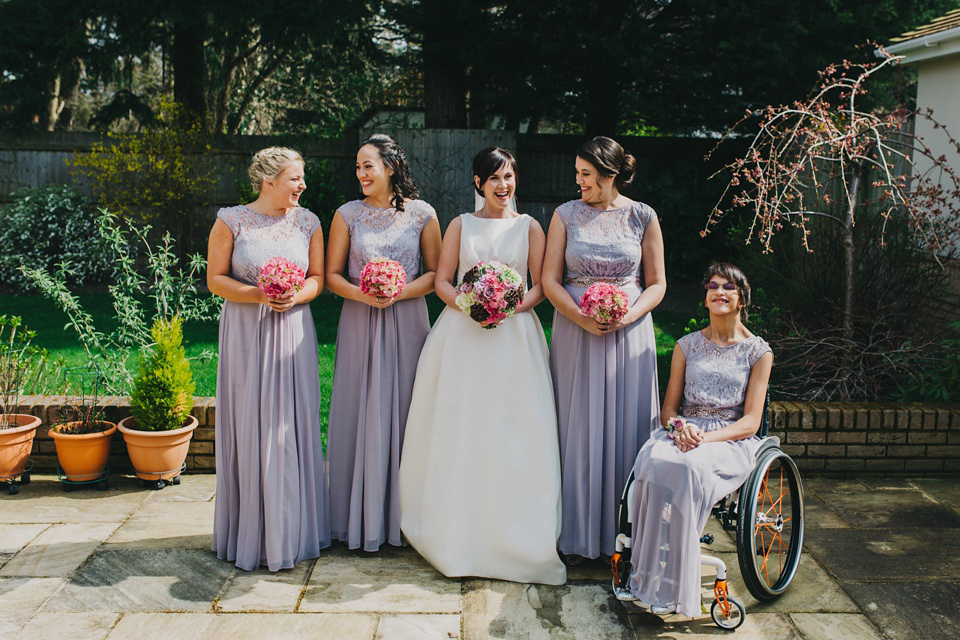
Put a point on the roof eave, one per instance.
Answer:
(935, 45)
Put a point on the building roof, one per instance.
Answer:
(944, 22)
(938, 39)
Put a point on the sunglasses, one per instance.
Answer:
(727, 286)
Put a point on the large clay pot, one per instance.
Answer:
(83, 456)
(16, 443)
(157, 455)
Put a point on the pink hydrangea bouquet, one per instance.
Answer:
(490, 293)
(383, 278)
(280, 276)
(604, 302)
(675, 425)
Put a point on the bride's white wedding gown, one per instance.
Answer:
(480, 468)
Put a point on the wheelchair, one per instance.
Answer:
(767, 515)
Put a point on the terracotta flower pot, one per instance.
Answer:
(16, 443)
(157, 455)
(83, 456)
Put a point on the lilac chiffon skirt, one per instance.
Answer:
(376, 362)
(608, 402)
(271, 506)
(674, 495)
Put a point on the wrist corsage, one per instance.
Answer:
(675, 425)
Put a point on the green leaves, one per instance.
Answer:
(162, 395)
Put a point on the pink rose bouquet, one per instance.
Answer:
(280, 276)
(490, 293)
(383, 278)
(604, 302)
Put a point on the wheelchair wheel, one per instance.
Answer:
(731, 621)
(770, 525)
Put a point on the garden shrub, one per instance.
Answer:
(162, 394)
(45, 227)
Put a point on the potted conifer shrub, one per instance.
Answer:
(21, 365)
(159, 431)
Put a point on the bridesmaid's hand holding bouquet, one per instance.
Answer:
(383, 278)
(280, 279)
(604, 302)
(490, 293)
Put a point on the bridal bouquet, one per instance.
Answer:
(490, 293)
(605, 303)
(280, 276)
(383, 278)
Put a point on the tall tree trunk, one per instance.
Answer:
(186, 58)
(51, 106)
(444, 74)
(69, 94)
(849, 279)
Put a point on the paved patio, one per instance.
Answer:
(882, 561)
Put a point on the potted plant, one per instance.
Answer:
(159, 431)
(21, 366)
(83, 439)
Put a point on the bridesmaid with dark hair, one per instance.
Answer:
(604, 375)
(378, 342)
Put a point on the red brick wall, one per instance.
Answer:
(823, 438)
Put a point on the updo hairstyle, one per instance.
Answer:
(609, 159)
(269, 163)
(395, 159)
(488, 162)
(733, 274)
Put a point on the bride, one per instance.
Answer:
(480, 468)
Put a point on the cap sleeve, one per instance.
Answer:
(645, 214)
(424, 213)
(686, 343)
(565, 211)
(309, 222)
(348, 211)
(231, 217)
(757, 349)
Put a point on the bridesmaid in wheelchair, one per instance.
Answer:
(705, 450)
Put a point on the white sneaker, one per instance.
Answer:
(663, 611)
(624, 595)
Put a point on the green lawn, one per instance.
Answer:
(49, 323)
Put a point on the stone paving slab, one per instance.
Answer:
(144, 580)
(946, 490)
(244, 626)
(393, 580)
(14, 537)
(166, 525)
(883, 555)
(507, 610)
(911, 610)
(20, 598)
(418, 627)
(817, 514)
(892, 509)
(192, 488)
(262, 590)
(812, 590)
(763, 626)
(835, 626)
(85, 626)
(58, 551)
(44, 500)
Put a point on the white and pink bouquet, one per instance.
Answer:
(490, 293)
(604, 302)
(675, 425)
(383, 278)
(279, 276)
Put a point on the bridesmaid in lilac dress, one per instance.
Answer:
(719, 376)
(271, 506)
(604, 375)
(378, 343)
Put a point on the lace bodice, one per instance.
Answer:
(257, 238)
(604, 245)
(385, 233)
(505, 240)
(716, 377)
